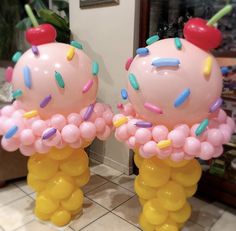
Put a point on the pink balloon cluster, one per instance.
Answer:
(184, 144)
(73, 130)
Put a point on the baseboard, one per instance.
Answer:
(110, 162)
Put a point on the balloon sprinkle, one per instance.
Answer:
(133, 81)
(128, 63)
(95, 68)
(152, 39)
(11, 132)
(27, 77)
(49, 133)
(35, 50)
(30, 114)
(216, 105)
(182, 97)
(143, 51)
(87, 86)
(178, 43)
(153, 108)
(207, 66)
(124, 94)
(76, 45)
(88, 112)
(164, 144)
(70, 54)
(45, 101)
(17, 93)
(166, 62)
(9, 74)
(120, 122)
(16, 56)
(143, 124)
(59, 80)
(202, 127)
(120, 106)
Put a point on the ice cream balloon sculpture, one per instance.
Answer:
(172, 118)
(53, 118)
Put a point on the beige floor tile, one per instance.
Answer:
(10, 193)
(94, 182)
(22, 184)
(17, 213)
(105, 171)
(91, 212)
(227, 222)
(190, 226)
(93, 163)
(110, 195)
(110, 222)
(125, 181)
(33, 195)
(203, 213)
(36, 225)
(129, 211)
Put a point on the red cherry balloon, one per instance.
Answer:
(44, 33)
(202, 35)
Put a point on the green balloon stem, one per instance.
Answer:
(227, 9)
(31, 15)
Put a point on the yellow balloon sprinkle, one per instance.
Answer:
(120, 122)
(164, 144)
(30, 114)
(70, 53)
(207, 66)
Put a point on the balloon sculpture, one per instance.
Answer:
(174, 116)
(53, 118)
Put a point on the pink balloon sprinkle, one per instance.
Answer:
(120, 106)
(8, 74)
(87, 86)
(128, 63)
(153, 108)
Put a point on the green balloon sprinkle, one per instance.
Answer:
(152, 39)
(59, 80)
(76, 45)
(202, 127)
(178, 43)
(95, 68)
(17, 93)
(16, 56)
(133, 81)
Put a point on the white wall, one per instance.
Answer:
(109, 35)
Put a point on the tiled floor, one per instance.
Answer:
(110, 204)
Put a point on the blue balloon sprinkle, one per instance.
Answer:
(27, 77)
(224, 70)
(166, 62)
(11, 132)
(182, 97)
(124, 94)
(143, 51)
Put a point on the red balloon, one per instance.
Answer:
(44, 33)
(202, 35)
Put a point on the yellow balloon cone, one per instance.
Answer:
(57, 177)
(163, 187)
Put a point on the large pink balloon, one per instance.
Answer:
(161, 86)
(42, 68)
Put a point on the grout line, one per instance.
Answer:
(14, 200)
(94, 188)
(125, 220)
(122, 203)
(94, 221)
(23, 225)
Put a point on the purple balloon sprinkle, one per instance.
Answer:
(216, 105)
(49, 133)
(45, 101)
(35, 50)
(89, 112)
(143, 124)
